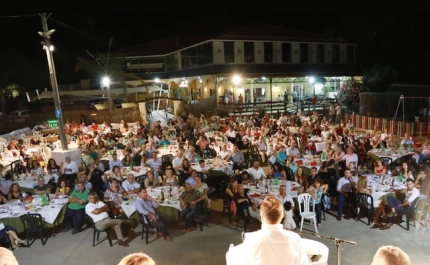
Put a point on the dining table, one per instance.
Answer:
(28, 181)
(375, 154)
(217, 164)
(137, 171)
(52, 213)
(168, 150)
(170, 206)
(380, 185)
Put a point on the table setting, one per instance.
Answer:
(49, 212)
(309, 161)
(258, 194)
(217, 164)
(136, 171)
(168, 149)
(393, 154)
(382, 185)
(128, 205)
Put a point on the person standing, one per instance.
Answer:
(332, 111)
(247, 100)
(295, 96)
(338, 113)
(272, 238)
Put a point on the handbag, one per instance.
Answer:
(326, 202)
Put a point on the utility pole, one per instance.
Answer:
(46, 34)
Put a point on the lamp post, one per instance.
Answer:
(106, 83)
(46, 34)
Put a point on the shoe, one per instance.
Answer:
(65, 230)
(159, 234)
(16, 247)
(74, 232)
(339, 218)
(169, 239)
(122, 243)
(191, 229)
(19, 241)
(392, 214)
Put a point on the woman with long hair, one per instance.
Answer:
(15, 192)
(278, 171)
(63, 188)
(150, 180)
(116, 174)
(301, 178)
(36, 169)
(380, 169)
(406, 171)
(184, 171)
(53, 168)
(169, 179)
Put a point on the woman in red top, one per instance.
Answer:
(380, 169)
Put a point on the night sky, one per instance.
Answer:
(398, 40)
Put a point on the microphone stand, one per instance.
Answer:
(337, 241)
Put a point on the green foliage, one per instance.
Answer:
(379, 78)
(348, 94)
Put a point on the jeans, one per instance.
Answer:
(73, 219)
(395, 203)
(162, 223)
(341, 201)
(187, 215)
(318, 211)
(422, 158)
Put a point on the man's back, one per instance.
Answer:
(265, 246)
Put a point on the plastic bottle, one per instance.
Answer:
(131, 165)
(401, 177)
(43, 198)
(266, 189)
(256, 184)
(275, 182)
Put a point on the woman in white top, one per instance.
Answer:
(36, 169)
(169, 179)
(200, 185)
(116, 174)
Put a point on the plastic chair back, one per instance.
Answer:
(305, 199)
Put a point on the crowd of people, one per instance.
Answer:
(98, 191)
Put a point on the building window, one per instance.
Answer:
(350, 54)
(286, 52)
(336, 53)
(229, 52)
(205, 54)
(320, 53)
(268, 52)
(304, 52)
(249, 52)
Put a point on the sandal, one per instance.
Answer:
(19, 241)
(16, 247)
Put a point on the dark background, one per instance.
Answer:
(397, 40)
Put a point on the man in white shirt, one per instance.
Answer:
(256, 171)
(325, 133)
(99, 164)
(70, 169)
(98, 211)
(284, 196)
(350, 157)
(344, 189)
(231, 134)
(261, 146)
(264, 246)
(402, 207)
(130, 185)
(177, 161)
(202, 167)
(247, 138)
(292, 150)
(115, 161)
(224, 154)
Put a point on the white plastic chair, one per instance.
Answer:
(307, 212)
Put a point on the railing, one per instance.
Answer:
(12, 123)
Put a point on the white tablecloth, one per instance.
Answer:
(30, 181)
(49, 212)
(226, 167)
(292, 189)
(172, 149)
(60, 155)
(129, 206)
(391, 154)
(137, 171)
(379, 189)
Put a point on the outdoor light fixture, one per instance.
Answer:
(236, 79)
(311, 79)
(106, 81)
(157, 80)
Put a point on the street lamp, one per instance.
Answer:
(106, 83)
(46, 34)
(236, 81)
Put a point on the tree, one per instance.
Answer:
(379, 78)
(20, 74)
(348, 94)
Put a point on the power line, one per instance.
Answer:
(15, 16)
(83, 33)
